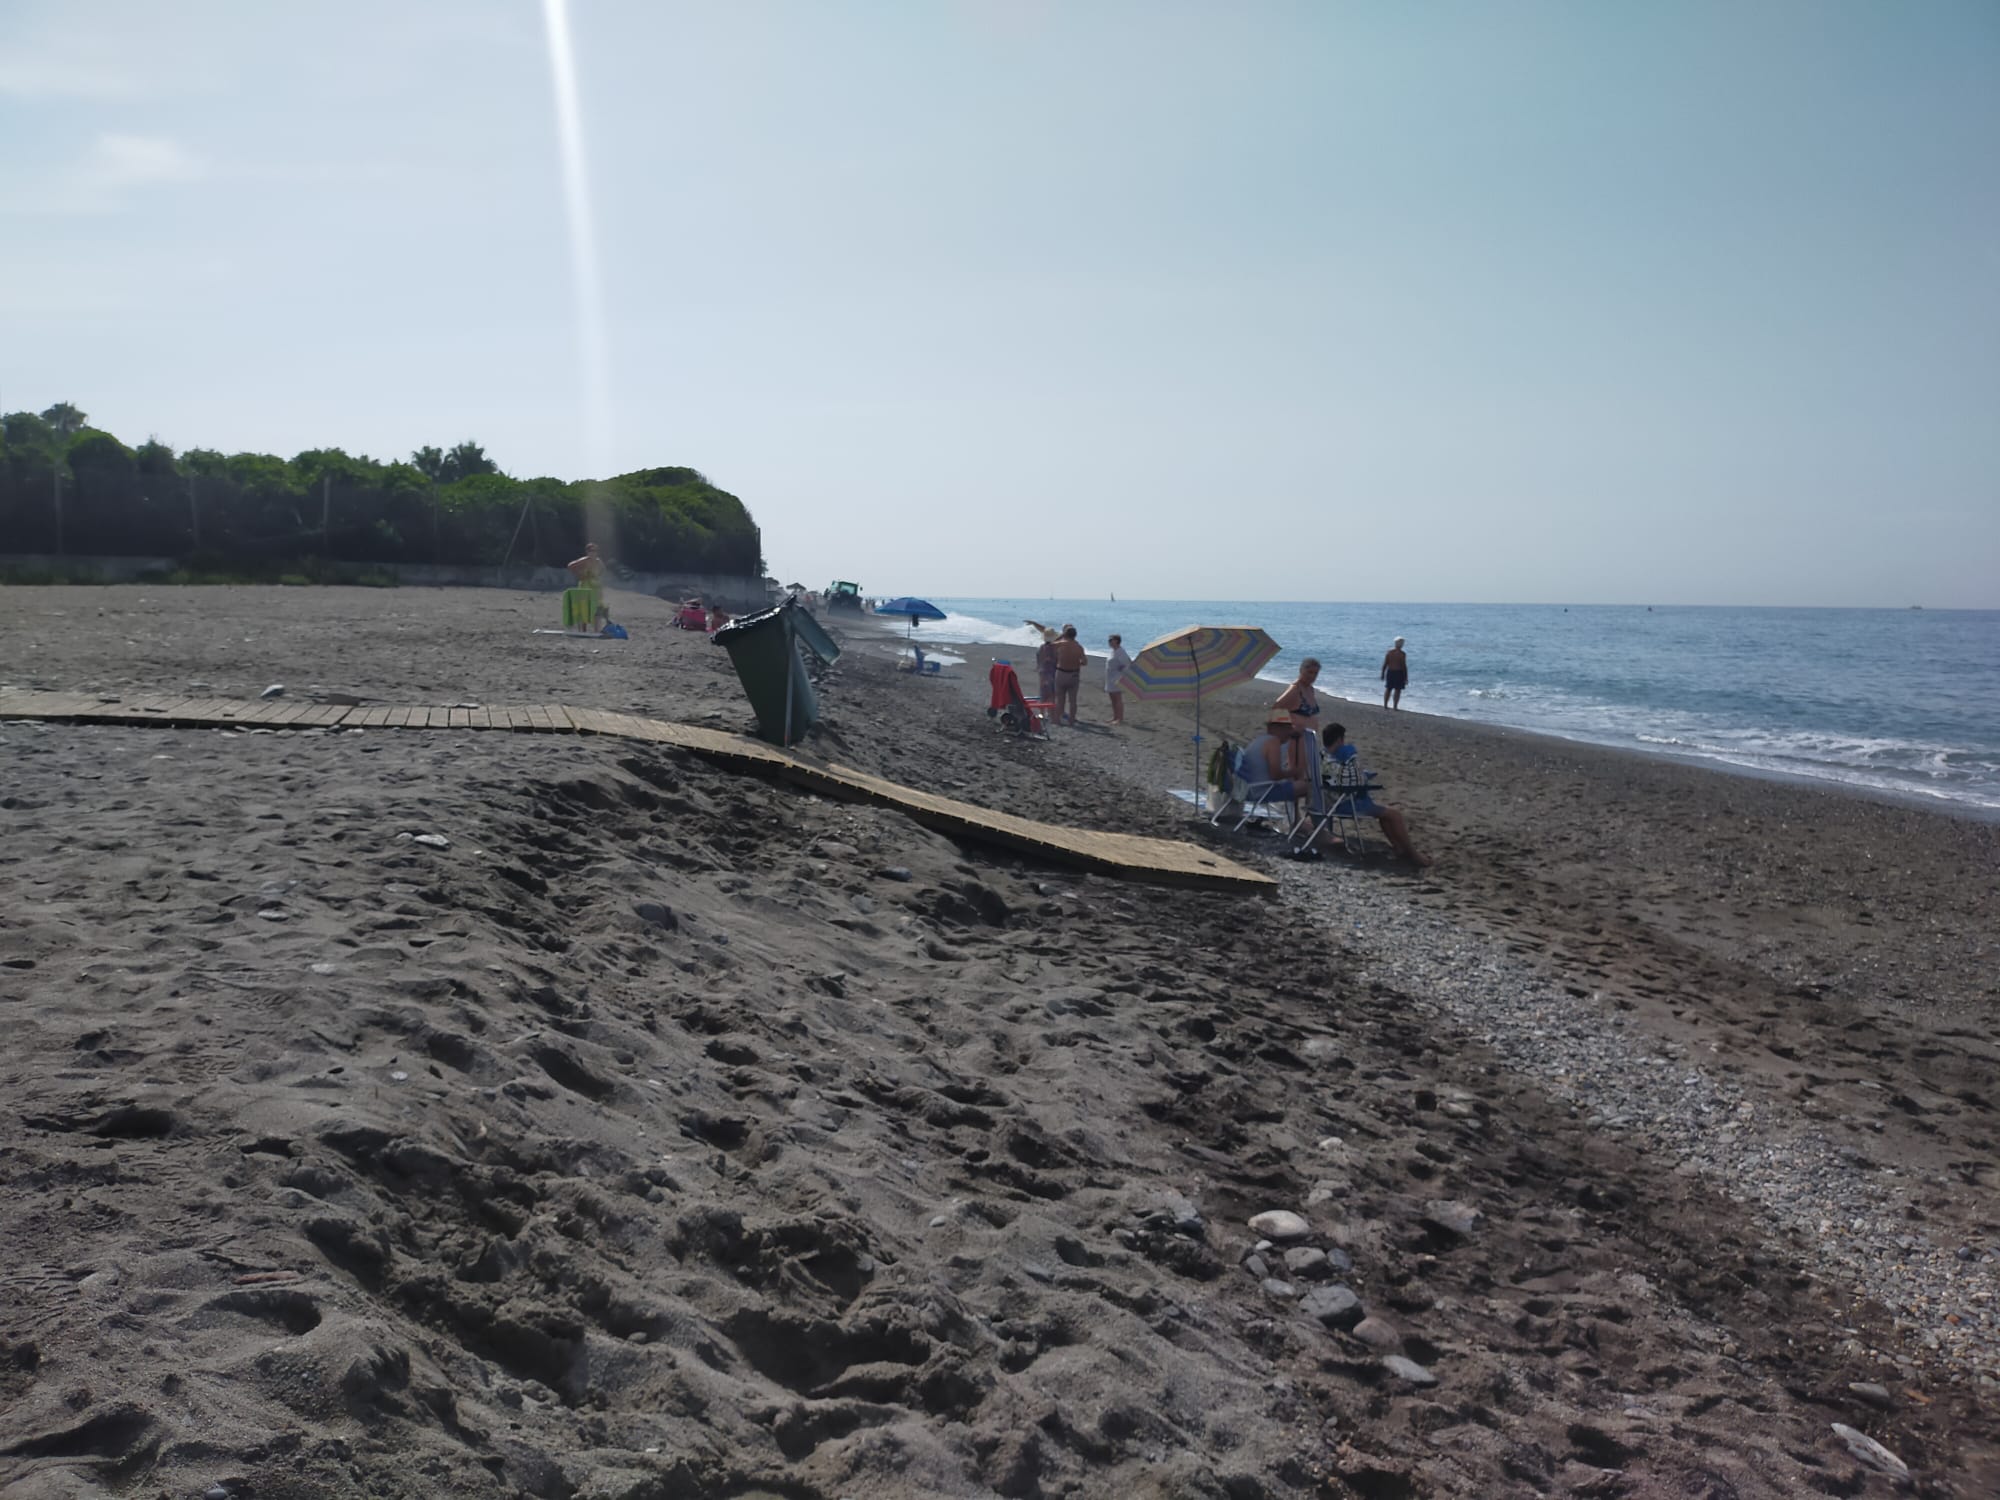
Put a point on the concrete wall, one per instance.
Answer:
(110, 569)
(733, 592)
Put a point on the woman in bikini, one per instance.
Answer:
(1299, 700)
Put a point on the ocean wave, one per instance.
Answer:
(1876, 763)
(972, 630)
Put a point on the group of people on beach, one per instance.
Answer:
(1059, 664)
(1295, 747)
(1061, 658)
(588, 570)
(1295, 751)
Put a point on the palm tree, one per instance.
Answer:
(65, 418)
(467, 459)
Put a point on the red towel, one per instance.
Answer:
(1006, 686)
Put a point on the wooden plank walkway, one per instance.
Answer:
(1125, 855)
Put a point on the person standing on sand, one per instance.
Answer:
(1114, 678)
(1300, 701)
(589, 568)
(1045, 666)
(1395, 675)
(1070, 657)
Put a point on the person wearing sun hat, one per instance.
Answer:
(1279, 755)
(1395, 674)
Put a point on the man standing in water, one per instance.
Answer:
(1395, 675)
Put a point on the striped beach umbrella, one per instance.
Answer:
(1196, 659)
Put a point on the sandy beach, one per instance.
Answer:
(396, 1112)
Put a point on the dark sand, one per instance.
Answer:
(650, 1140)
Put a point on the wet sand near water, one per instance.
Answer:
(661, 1132)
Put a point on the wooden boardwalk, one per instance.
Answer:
(1127, 856)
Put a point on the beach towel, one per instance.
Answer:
(1005, 684)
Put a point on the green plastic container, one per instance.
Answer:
(764, 649)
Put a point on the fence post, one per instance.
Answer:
(55, 479)
(194, 514)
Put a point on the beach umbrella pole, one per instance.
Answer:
(1194, 660)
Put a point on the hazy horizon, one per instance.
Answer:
(1963, 609)
(1686, 306)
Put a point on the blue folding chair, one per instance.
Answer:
(1342, 797)
(1251, 789)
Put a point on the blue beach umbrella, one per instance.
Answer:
(918, 610)
(1181, 666)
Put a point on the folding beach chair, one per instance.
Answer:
(1252, 791)
(1013, 708)
(1342, 799)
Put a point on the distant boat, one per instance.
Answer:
(1114, 600)
(1916, 606)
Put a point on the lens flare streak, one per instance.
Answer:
(595, 382)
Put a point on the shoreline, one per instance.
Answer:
(982, 654)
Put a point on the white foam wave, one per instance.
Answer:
(972, 629)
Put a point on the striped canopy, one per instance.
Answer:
(1198, 659)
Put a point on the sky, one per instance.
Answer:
(1692, 303)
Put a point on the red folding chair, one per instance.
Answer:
(1013, 708)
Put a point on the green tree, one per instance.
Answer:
(466, 461)
(452, 506)
(28, 434)
(65, 418)
(156, 460)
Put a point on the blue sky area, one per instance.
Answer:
(1680, 303)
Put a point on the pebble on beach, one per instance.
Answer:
(1281, 1224)
(1408, 1369)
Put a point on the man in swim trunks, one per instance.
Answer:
(1070, 657)
(1395, 675)
(1300, 702)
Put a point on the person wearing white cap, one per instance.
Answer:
(1395, 675)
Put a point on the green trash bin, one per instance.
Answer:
(764, 649)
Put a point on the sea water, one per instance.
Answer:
(1905, 702)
